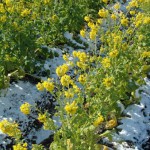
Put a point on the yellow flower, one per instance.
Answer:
(138, 23)
(145, 54)
(133, 3)
(61, 70)
(25, 108)
(10, 128)
(20, 146)
(82, 33)
(99, 21)
(98, 121)
(111, 123)
(105, 1)
(25, 12)
(82, 79)
(113, 16)
(91, 24)
(108, 82)
(69, 145)
(2, 9)
(105, 148)
(71, 108)
(65, 57)
(117, 6)
(54, 17)
(8, 2)
(11, 9)
(75, 53)
(114, 53)
(76, 88)
(69, 94)
(140, 37)
(117, 39)
(103, 13)
(124, 46)
(146, 20)
(42, 117)
(132, 12)
(92, 35)
(46, 1)
(66, 80)
(40, 86)
(48, 85)
(124, 21)
(3, 18)
(87, 18)
(106, 62)
(82, 56)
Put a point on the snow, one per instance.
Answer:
(136, 127)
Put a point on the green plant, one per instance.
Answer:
(27, 26)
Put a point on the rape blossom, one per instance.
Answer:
(25, 108)
(71, 108)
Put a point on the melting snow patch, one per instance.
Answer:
(136, 127)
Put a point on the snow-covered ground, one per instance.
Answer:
(135, 128)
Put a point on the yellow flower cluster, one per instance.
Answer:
(146, 20)
(113, 16)
(54, 17)
(76, 88)
(48, 85)
(46, 1)
(65, 57)
(42, 117)
(138, 19)
(98, 121)
(3, 18)
(94, 28)
(82, 33)
(40, 86)
(113, 53)
(92, 35)
(133, 3)
(108, 81)
(117, 6)
(46, 120)
(105, 1)
(111, 123)
(25, 12)
(10, 128)
(82, 79)
(66, 80)
(69, 145)
(87, 18)
(106, 62)
(145, 54)
(2, 9)
(20, 146)
(82, 56)
(99, 21)
(61, 70)
(124, 21)
(103, 13)
(132, 12)
(69, 93)
(71, 108)
(25, 108)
